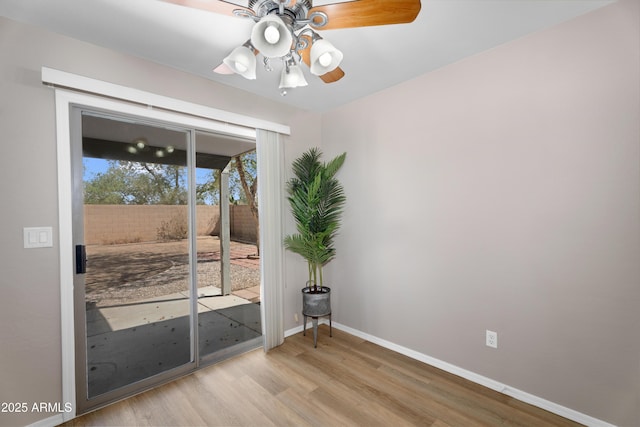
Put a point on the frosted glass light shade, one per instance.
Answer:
(265, 39)
(242, 61)
(294, 78)
(324, 57)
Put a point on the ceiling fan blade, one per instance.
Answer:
(331, 76)
(217, 6)
(365, 13)
(223, 69)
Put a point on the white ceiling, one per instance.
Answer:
(375, 58)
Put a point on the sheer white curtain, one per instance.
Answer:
(270, 157)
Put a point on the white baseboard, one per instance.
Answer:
(49, 422)
(298, 329)
(471, 376)
(292, 331)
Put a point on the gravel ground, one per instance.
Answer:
(119, 274)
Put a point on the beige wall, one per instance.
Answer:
(30, 359)
(522, 167)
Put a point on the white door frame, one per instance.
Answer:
(139, 103)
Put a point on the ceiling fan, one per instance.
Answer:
(285, 30)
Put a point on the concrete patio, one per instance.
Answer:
(128, 341)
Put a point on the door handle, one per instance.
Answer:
(81, 259)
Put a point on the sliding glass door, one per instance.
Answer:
(147, 308)
(228, 270)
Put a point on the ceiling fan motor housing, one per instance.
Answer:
(297, 13)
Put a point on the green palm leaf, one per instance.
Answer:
(317, 201)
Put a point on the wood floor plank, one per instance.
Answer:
(226, 393)
(454, 396)
(345, 381)
(366, 380)
(208, 404)
(268, 404)
(314, 415)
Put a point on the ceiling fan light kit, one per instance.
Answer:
(291, 77)
(324, 57)
(271, 37)
(242, 60)
(284, 29)
(277, 34)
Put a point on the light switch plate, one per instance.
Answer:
(38, 237)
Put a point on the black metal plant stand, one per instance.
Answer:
(314, 322)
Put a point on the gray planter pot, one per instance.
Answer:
(316, 305)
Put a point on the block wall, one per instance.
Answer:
(116, 224)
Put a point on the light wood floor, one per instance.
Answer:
(346, 381)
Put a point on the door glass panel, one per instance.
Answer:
(136, 232)
(228, 273)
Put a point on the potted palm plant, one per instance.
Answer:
(317, 201)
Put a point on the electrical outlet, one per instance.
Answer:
(492, 339)
(295, 317)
